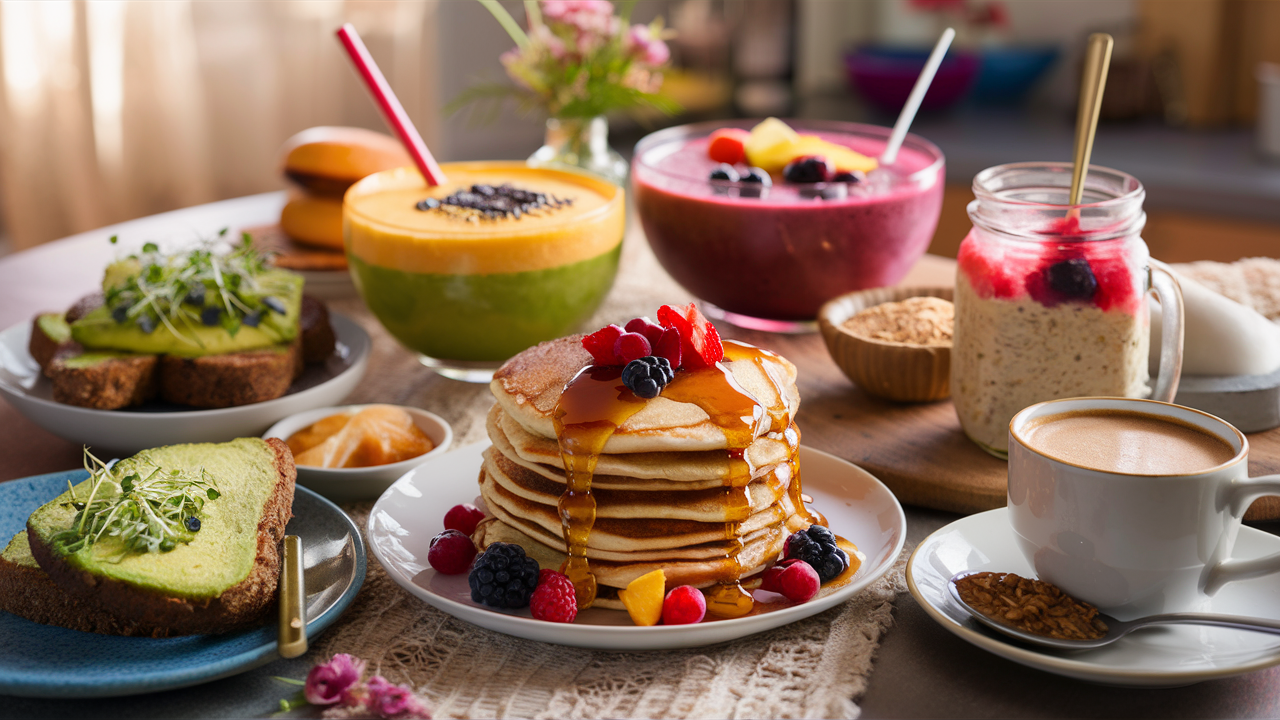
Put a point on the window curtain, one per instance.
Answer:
(116, 109)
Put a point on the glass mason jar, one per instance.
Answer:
(1051, 299)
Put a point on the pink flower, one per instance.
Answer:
(393, 701)
(649, 49)
(563, 10)
(329, 683)
(554, 45)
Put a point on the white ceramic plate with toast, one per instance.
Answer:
(1166, 656)
(411, 512)
(130, 430)
(52, 662)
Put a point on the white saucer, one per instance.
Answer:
(1156, 657)
(130, 430)
(406, 517)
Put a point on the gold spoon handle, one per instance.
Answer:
(293, 601)
(1093, 82)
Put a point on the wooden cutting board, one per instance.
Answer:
(919, 450)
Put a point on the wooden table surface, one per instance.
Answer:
(921, 670)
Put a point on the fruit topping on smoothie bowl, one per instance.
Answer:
(767, 252)
(651, 468)
(500, 258)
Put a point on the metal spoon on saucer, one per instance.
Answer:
(1116, 629)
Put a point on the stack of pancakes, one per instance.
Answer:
(663, 484)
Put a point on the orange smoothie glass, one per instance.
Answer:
(466, 292)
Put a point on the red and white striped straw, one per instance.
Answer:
(392, 111)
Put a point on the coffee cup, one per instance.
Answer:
(1132, 505)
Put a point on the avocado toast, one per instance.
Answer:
(195, 328)
(177, 540)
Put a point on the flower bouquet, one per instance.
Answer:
(578, 62)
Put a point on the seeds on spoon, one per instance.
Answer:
(1032, 606)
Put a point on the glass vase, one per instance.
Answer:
(581, 143)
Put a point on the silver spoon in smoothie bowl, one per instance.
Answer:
(1116, 629)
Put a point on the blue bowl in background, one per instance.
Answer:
(884, 76)
(1009, 72)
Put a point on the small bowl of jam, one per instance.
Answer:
(355, 452)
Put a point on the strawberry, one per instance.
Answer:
(669, 347)
(728, 145)
(601, 345)
(699, 340)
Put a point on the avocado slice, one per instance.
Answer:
(99, 331)
(222, 552)
(55, 326)
(18, 551)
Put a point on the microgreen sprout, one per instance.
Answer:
(146, 507)
(174, 290)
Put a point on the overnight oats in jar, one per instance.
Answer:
(1051, 299)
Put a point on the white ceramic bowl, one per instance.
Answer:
(361, 483)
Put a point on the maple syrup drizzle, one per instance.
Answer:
(592, 406)
(595, 403)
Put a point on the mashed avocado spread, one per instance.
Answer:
(216, 557)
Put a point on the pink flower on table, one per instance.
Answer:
(329, 683)
(649, 49)
(393, 701)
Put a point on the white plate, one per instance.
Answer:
(133, 429)
(1156, 657)
(362, 483)
(403, 521)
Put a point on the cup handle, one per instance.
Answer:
(1240, 494)
(1165, 284)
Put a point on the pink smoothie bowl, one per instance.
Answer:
(778, 255)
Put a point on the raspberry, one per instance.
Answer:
(553, 600)
(450, 552)
(684, 605)
(728, 145)
(503, 576)
(631, 346)
(463, 518)
(817, 546)
(646, 327)
(669, 347)
(601, 343)
(794, 579)
(700, 342)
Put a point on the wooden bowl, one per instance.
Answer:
(890, 370)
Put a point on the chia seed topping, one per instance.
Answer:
(489, 202)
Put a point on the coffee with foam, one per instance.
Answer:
(1129, 443)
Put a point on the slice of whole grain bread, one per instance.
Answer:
(243, 604)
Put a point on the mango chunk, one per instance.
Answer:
(643, 598)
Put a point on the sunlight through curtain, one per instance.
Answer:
(114, 109)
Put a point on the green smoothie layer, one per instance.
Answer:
(484, 317)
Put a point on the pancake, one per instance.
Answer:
(755, 556)
(621, 534)
(528, 387)
(708, 505)
(666, 470)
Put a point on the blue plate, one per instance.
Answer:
(43, 661)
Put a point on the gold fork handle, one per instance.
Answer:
(293, 601)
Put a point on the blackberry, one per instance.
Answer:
(817, 546)
(847, 177)
(192, 523)
(1073, 278)
(647, 376)
(809, 169)
(503, 577)
(725, 172)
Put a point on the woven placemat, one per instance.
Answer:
(811, 668)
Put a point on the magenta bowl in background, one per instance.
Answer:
(781, 256)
